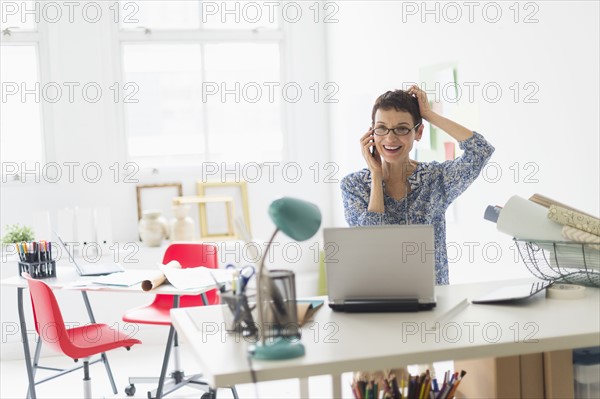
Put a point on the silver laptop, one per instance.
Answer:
(380, 268)
(91, 268)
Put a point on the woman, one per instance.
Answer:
(395, 189)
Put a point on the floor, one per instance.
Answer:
(145, 363)
(145, 360)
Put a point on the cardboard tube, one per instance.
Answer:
(154, 281)
(158, 277)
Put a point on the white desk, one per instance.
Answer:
(65, 277)
(342, 342)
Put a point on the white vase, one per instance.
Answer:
(164, 222)
(182, 226)
(151, 229)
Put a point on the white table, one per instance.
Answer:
(342, 342)
(68, 278)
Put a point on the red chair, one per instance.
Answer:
(78, 342)
(158, 313)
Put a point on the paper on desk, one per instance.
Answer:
(88, 285)
(306, 309)
(123, 279)
(194, 277)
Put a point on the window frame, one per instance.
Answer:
(38, 38)
(199, 36)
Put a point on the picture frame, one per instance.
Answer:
(212, 217)
(157, 196)
(201, 201)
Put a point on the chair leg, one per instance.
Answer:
(90, 313)
(178, 372)
(234, 392)
(177, 378)
(87, 382)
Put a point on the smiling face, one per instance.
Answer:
(395, 149)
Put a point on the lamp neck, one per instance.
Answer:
(262, 263)
(261, 287)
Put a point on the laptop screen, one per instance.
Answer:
(374, 262)
(66, 249)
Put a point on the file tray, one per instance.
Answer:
(568, 262)
(38, 270)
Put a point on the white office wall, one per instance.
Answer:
(376, 46)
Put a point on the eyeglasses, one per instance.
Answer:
(398, 131)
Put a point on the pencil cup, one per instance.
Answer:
(238, 314)
(38, 270)
(279, 305)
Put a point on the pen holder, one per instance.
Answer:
(38, 270)
(279, 305)
(238, 314)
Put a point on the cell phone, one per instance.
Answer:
(373, 149)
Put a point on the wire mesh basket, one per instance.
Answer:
(566, 262)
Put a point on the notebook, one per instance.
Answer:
(90, 268)
(380, 268)
(513, 293)
(125, 279)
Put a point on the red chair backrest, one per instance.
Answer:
(49, 322)
(191, 255)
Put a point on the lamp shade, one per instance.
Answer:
(298, 219)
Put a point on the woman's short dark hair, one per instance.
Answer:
(399, 100)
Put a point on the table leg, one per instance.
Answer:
(170, 340)
(304, 388)
(36, 359)
(336, 383)
(25, 343)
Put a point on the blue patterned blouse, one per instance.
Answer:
(433, 187)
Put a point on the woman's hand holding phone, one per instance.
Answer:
(370, 153)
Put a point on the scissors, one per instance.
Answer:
(243, 276)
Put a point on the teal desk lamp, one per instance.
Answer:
(299, 220)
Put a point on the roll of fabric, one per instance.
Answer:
(575, 219)
(580, 236)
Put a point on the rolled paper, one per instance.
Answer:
(527, 220)
(158, 278)
(154, 281)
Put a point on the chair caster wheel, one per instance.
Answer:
(130, 390)
(208, 395)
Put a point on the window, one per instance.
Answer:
(21, 109)
(21, 116)
(207, 82)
